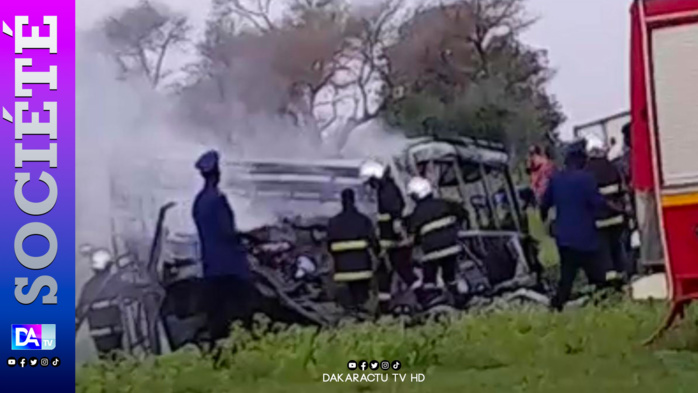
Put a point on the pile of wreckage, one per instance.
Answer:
(288, 255)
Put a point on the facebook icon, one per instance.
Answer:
(33, 337)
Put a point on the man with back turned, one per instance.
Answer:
(353, 245)
(574, 194)
(228, 286)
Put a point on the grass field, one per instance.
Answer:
(594, 349)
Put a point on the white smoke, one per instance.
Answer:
(123, 129)
(374, 139)
(135, 150)
(135, 143)
(124, 132)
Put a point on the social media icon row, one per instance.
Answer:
(33, 362)
(374, 365)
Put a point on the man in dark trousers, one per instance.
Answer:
(353, 245)
(228, 290)
(396, 256)
(574, 194)
(610, 223)
(434, 225)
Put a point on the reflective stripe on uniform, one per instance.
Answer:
(437, 224)
(104, 332)
(349, 245)
(382, 296)
(104, 304)
(385, 244)
(444, 252)
(384, 217)
(353, 276)
(610, 189)
(617, 220)
(613, 275)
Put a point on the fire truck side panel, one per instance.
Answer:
(675, 76)
(665, 53)
(680, 227)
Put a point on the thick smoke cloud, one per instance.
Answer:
(123, 129)
(136, 150)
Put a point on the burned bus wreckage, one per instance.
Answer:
(151, 285)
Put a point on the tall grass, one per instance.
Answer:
(594, 349)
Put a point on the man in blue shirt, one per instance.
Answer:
(574, 194)
(229, 289)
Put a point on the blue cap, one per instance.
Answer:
(576, 147)
(208, 162)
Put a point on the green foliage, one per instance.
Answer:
(483, 110)
(591, 349)
(475, 86)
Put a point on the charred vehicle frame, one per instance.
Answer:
(288, 257)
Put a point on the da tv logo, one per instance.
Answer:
(33, 337)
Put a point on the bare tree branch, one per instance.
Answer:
(172, 35)
(259, 17)
(140, 38)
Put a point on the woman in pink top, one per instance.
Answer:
(540, 167)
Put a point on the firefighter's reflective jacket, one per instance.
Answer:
(610, 183)
(352, 243)
(99, 304)
(390, 208)
(435, 223)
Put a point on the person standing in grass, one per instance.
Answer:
(353, 245)
(229, 289)
(540, 167)
(575, 196)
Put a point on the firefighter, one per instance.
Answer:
(229, 292)
(353, 245)
(611, 224)
(99, 304)
(631, 236)
(434, 226)
(575, 196)
(395, 254)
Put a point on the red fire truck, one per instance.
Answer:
(664, 113)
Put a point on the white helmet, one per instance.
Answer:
(372, 170)
(595, 147)
(305, 266)
(419, 188)
(100, 259)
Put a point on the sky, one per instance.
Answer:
(587, 43)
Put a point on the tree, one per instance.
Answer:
(465, 65)
(318, 65)
(360, 84)
(323, 69)
(140, 38)
(255, 12)
(272, 68)
(432, 53)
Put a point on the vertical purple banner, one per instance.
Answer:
(37, 195)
